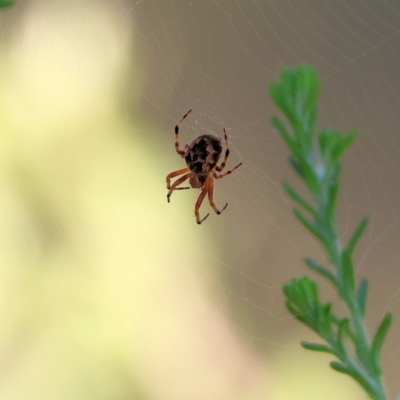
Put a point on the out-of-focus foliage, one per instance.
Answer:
(6, 3)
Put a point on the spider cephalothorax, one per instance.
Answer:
(201, 156)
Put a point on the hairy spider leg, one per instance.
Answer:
(210, 191)
(174, 174)
(198, 205)
(216, 176)
(219, 168)
(178, 150)
(176, 183)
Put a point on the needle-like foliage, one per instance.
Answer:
(315, 157)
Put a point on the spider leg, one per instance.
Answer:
(210, 191)
(176, 183)
(219, 168)
(178, 150)
(174, 174)
(216, 176)
(198, 205)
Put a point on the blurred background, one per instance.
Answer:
(107, 292)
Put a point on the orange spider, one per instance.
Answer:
(201, 157)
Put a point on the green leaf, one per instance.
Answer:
(301, 316)
(332, 194)
(289, 140)
(348, 370)
(347, 264)
(333, 144)
(327, 140)
(298, 199)
(343, 331)
(308, 225)
(356, 235)
(379, 338)
(302, 291)
(294, 309)
(321, 270)
(296, 95)
(347, 273)
(325, 319)
(297, 167)
(280, 96)
(317, 347)
(362, 296)
(302, 301)
(307, 93)
(345, 142)
(340, 367)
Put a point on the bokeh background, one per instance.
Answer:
(106, 290)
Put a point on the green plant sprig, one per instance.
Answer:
(315, 158)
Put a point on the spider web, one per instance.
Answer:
(217, 58)
(232, 50)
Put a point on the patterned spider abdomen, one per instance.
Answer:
(203, 153)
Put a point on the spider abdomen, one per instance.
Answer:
(203, 153)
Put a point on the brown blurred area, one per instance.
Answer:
(109, 292)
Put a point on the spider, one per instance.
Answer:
(201, 157)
